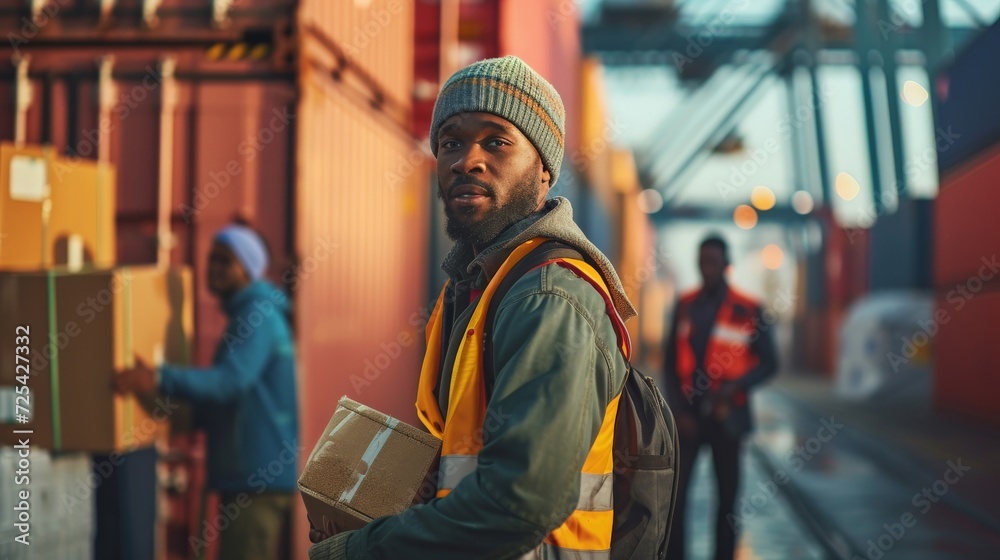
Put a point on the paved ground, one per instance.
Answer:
(772, 530)
(882, 480)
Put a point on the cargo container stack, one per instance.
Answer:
(294, 117)
(831, 278)
(965, 262)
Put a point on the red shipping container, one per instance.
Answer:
(847, 270)
(966, 363)
(966, 227)
(546, 35)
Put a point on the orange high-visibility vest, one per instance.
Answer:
(728, 356)
(587, 531)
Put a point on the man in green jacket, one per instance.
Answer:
(498, 135)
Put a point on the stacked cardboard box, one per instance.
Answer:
(83, 327)
(61, 498)
(81, 318)
(54, 211)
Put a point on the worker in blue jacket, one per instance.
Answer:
(246, 401)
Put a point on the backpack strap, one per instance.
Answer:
(545, 253)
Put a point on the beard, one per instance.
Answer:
(462, 227)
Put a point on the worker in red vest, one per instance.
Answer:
(719, 347)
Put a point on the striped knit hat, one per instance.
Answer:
(510, 89)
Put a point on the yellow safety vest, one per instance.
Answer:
(586, 534)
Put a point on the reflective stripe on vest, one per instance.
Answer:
(549, 552)
(595, 489)
(731, 334)
(586, 533)
(454, 468)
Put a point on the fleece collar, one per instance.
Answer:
(554, 221)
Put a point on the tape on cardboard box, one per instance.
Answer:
(366, 465)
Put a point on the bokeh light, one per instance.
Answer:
(802, 202)
(847, 186)
(914, 93)
(745, 216)
(773, 256)
(762, 198)
(650, 201)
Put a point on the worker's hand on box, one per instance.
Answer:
(319, 535)
(139, 379)
(316, 536)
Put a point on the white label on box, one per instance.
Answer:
(27, 179)
(74, 253)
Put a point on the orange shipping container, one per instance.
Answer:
(375, 38)
(546, 34)
(361, 234)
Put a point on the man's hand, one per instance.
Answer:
(726, 392)
(316, 536)
(139, 379)
(722, 399)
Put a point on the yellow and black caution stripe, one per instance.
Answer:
(238, 51)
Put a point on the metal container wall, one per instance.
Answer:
(73, 20)
(546, 34)
(362, 237)
(426, 64)
(967, 115)
(967, 288)
(241, 141)
(965, 356)
(965, 220)
(847, 264)
(376, 36)
(902, 245)
(591, 155)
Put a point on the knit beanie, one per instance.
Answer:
(510, 89)
(248, 248)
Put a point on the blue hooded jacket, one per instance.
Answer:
(247, 399)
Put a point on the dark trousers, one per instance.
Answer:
(255, 525)
(726, 460)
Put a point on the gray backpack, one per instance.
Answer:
(645, 450)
